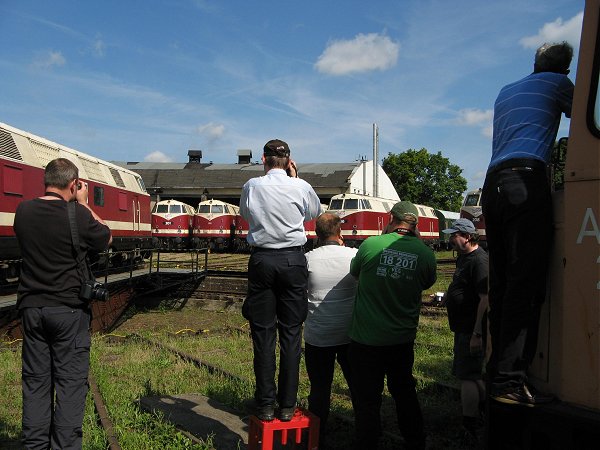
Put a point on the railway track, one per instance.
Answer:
(236, 263)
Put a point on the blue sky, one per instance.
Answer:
(149, 80)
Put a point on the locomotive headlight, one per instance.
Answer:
(354, 232)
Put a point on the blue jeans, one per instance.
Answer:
(56, 353)
(517, 206)
(370, 365)
(276, 303)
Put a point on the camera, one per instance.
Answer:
(92, 290)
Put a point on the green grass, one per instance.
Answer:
(127, 369)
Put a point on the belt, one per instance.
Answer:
(519, 164)
(297, 248)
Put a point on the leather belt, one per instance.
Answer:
(297, 248)
(519, 164)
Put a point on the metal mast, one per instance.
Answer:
(375, 160)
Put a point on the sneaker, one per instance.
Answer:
(523, 395)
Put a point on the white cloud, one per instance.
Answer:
(477, 118)
(212, 130)
(472, 116)
(49, 59)
(157, 156)
(556, 31)
(488, 131)
(364, 53)
(98, 47)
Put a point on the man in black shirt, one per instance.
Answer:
(54, 320)
(467, 302)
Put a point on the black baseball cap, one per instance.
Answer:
(276, 147)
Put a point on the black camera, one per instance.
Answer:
(92, 290)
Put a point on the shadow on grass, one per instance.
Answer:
(8, 436)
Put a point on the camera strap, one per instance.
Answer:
(82, 266)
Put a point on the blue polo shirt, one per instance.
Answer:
(527, 115)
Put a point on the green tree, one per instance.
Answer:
(426, 179)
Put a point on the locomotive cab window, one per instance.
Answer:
(351, 203)
(336, 204)
(98, 196)
(161, 209)
(204, 209)
(217, 208)
(472, 200)
(175, 209)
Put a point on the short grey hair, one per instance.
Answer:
(59, 173)
(553, 57)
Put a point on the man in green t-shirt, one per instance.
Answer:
(392, 270)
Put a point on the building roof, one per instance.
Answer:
(170, 177)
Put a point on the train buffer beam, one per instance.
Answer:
(200, 417)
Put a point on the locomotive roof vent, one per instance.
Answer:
(195, 156)
(244, 156)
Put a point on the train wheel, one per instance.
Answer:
(116, 259)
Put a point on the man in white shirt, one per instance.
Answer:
(276, 206)
(331, 291)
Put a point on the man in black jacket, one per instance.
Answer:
(54, 319)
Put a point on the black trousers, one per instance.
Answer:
(276, 303)
(370, 365)
(517, 206)
(320, 365)
(55, 358)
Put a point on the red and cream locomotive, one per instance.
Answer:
(172, 223)
(118, 195)
(214, 225)
(363, 216)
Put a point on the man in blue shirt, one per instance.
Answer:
(276, 206)
(517, 206)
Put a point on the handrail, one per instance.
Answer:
(155, 262)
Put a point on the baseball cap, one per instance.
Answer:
(463, 225)
(405, 211)
(276, 147)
